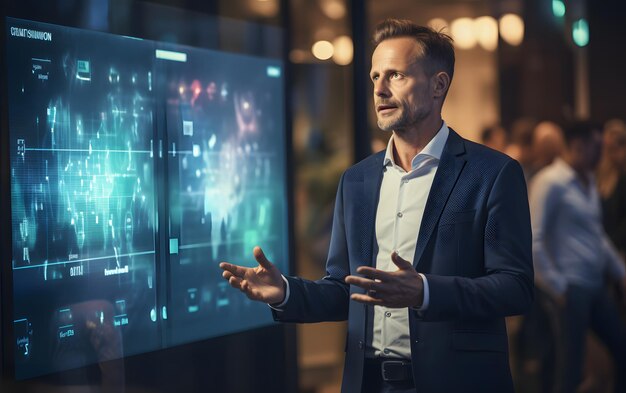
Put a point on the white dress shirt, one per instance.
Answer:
(399, 215)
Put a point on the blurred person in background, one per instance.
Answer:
(535, 351)
(495, 137)
(548, 143)
(573, 255)
(611, 177)
(521, 144)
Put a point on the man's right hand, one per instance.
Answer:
(263, 283)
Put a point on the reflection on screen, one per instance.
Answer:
(136, 167)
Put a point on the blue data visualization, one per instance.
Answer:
(136, 167)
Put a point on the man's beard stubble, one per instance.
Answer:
(392, 123)
(402, 121)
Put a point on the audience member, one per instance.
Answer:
(521, 146)
(573, 254)
(548, 143)
(611, 177)
(494, 137)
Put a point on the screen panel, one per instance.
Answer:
(101, 128)
(225, 182)
(82, 193)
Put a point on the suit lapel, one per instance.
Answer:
(372, 178)
(450, 166)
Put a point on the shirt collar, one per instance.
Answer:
(433, 149)
(567, 172)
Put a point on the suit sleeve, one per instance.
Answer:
(326, 299)
(507, 287)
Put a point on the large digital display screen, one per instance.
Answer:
(136, 167)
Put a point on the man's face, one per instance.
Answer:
(587, 151)
(402, 88)
(615, 146)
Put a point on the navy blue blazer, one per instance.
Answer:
(474, 247)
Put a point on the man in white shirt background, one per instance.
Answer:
(573, 255)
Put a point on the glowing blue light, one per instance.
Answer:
(580, 32)
(273, 71)
(171, 55)
(558, 8)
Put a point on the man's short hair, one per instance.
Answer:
(437, 47)
(580, 130)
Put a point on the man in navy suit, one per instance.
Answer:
(430, 246)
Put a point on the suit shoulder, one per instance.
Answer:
(365, 166)
(477, 151)
(483, 164)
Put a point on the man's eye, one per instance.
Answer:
(395, 75)
(375, 78)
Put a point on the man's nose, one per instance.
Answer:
(381, 89)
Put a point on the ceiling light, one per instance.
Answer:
(322, 50)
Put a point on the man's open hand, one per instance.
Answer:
(402, 288)
(263, 283)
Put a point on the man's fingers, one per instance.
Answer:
(402, 264)
(364, 283)
(235, 282)
(372, 273)
(260, 258)
(365, 299)
(243, 286)
(238, 271)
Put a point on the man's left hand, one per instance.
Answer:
(399, 289)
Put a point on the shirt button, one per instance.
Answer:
(387, 314)
(386, 351)
(400, 214)
(360, 344)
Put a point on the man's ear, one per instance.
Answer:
(441, 84)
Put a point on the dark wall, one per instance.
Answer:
(607, 59)
(537, 77)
